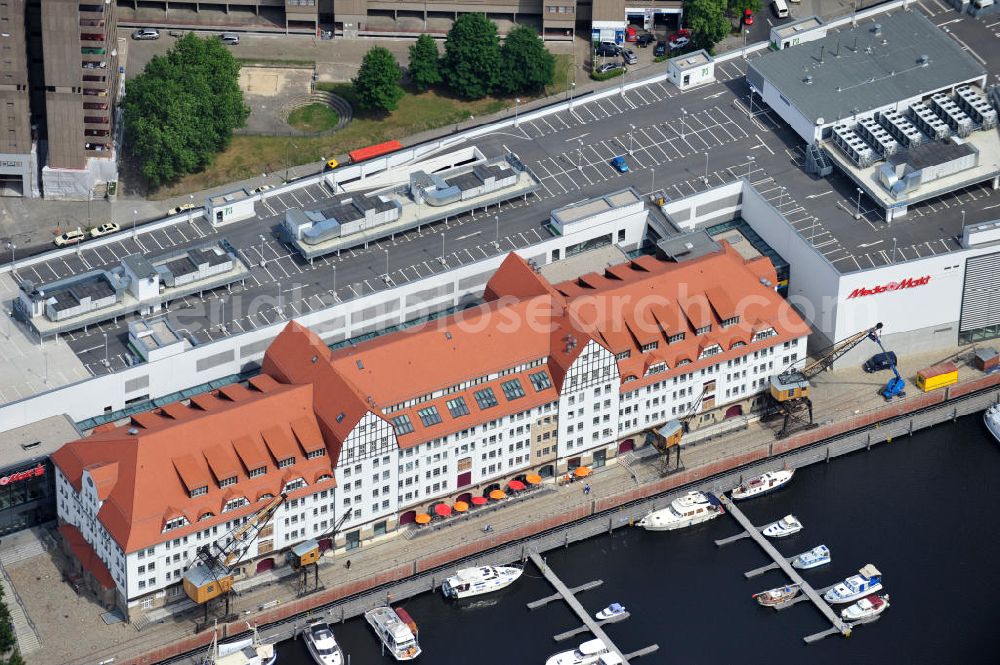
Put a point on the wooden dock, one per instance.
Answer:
(589, 623)
(838, 625)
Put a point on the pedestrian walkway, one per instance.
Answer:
(24, 629)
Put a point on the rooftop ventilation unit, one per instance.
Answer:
(923, 60)
(808, 80)
(877, 29)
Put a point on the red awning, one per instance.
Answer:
(442, 509)
(516, 485)
(479, 501)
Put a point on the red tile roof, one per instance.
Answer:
(86, 555)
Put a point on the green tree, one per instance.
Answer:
(736, 7)
(15, 659)
(7, 637)
(525, 63)
(182, 110)
(425, 71)
(471, 64)
(377, 83)
(707, 21)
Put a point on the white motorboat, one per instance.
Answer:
(867, 581)
(692, 508)
(393, 632)
(992, 419)
(817, 556)
(611, 611)
(592, 652)
(467, 582)
(322, 645)
(867, 607)
(248, 651)
(773, 597)
(762, 484)
(786, 526)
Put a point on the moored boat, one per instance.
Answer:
(817, 556)
(786, 526)
(248, 651)
(777, 596)
(867, 581)
(393, 632)
(591, 652)
(611, 611)
(468, 582)
(762, 484)
(692, 508)
(869, 606)
(322, 645)
(992, 419)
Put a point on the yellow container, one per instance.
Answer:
(938, 376)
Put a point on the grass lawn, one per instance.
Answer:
(315, 117)
(250, 156)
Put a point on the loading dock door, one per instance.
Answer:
(981, 299)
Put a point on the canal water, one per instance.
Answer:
(922, 509)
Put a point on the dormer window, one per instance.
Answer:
(313, 454)
(295, 484)
(623, 355)
(652, 346)
(175, 523)
(258, 472)
(764, 334)
(732, 321)
(704, 330)
(233, 504)
(199, 491)
(657, 368)
(710, 351)
(673, 339)
(206, 516)
(287, 462)
(226, 482)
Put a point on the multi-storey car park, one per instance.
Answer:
(542, 378)
(719, 159)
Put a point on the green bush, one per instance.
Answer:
(607, 75)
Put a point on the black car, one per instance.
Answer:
(661, 49)
(608, 50)
(645, 40)
(880, 361)
(609, 67)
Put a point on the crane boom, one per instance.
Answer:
(838, 350)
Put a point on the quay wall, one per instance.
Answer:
(601, 515)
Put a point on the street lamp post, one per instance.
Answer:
(106, 349)
(750, 161)
(223, 325)
(386, 264)
(442, 251)
(13, 264)
(683, 123)
(517, 102)
(893, 250)
(263, 261)
(631, 139)
(857, 211)
(135, 213)
(496, 243)
(745, 33)
(579, 157)
(335, 296)
(706, 168)
(652, 180)
(572, 92)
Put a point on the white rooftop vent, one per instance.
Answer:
(923, 60)
(133, 431)
(688, 246)
(877, 29)
(808, 80)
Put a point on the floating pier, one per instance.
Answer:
(589, 623)
(750, 531)
(541, 602)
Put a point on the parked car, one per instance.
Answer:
(608, 49)
(661, 49)
(608, 67)
(748, 17)
(230, 38)
(879, 362)
(645, 40)
(104, 229)
(631, 34)
(630, 57)
(260, 188)
(181, 208)
(620, 164)
(678, 43)
(146, 33)
(70, 238)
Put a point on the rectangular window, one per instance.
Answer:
(259, 471)
(429, 416)
(650, 347)
(512, 389)
(198, 491)
(485, 398)
(226, 482)
(288, 461)
(313, 454)
(457, 407)
(675, 338)
(402, 424)
(540, 381)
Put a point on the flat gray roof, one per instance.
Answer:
(693, 59)
(577, 211)
(861, 68)
(594, 260)
(795, 27)
(39, 439)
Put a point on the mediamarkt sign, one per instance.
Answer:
(22, 475)
(908, 283)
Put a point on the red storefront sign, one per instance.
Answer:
(908, 283)
(22, 475)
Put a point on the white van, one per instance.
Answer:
(780, 8)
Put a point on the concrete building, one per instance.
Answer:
(59, 82)
(541, 379)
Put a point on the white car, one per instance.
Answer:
(104, 229)
(181, 208)
(70, 238)
(146, 33)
